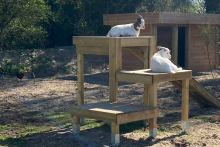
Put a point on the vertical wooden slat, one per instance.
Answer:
(175, 43)
(115, 63)
(146, 86)
(146, 57)
(185, 99)
(152, 49)
(153, 103)
(114, 128)
(216, 47)
(80, 77)
(187, 41)
(188, 49)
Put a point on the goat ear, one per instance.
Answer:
(159, 48)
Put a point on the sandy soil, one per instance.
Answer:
(59, 92)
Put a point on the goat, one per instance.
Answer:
(128, 30)
(160, 62)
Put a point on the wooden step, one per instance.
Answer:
(114, 112)
(146, 76)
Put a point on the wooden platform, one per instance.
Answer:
(146, 76)
(115, 112)
(118, 113)
(197, 92)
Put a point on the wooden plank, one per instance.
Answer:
(114, 128)
(152, 48)
(185, 99)
(113, 85)
(126, 42)
(184, 74)
(99, 50)
(80, 78)
(216, 48)
(115, 63)
(153, 103)
(204, 92)
(92, 114)
(175, 43)
(135, 116)
(113, 107)
(91, 41)
(132, 78)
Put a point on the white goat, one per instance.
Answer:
(128, 30)
(160, 62)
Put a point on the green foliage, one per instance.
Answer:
(21, 23)
(212, 6)
(185, 6)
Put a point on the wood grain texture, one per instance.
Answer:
(80, 78)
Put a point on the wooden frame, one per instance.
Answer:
(144, 48)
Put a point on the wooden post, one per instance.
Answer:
(153, 103)
(152, 49)
(115, 137)
(185, 105)
(216, 47)
(115, 63)
(175, 43)
(76, 124)
(80, 77)
(146, 86)
(187, 46)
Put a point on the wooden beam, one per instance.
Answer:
(135, 116)
(80, 78)
(216, 47)
(153, 103)
(91, 41)
(132, 78)
(115, 63)
(74, 111)
(185, 99)
(187, 46)
(204, 92)
(152, 48)
(134, 41)
(184, 74)
(175, 43)
(98, 50)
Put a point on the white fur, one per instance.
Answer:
(160, 62)
(126, 30)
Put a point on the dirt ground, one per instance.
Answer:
(59, 92)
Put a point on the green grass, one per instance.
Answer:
(203, 117)
(14, 134)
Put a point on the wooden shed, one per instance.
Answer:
(177, 31)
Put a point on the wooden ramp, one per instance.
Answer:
(197, 92)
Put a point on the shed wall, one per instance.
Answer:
(198, 59)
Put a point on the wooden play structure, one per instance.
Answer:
(117, 113)
(177, 31)
(180, 33)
